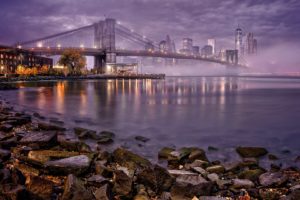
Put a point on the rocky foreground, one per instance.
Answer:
(38, 161)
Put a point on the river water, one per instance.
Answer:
(223, 112)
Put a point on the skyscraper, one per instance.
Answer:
(251, 44)
(212, 42)
(239, 41)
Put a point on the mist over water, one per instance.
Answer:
(224, 112)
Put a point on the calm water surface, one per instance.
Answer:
(180, 111)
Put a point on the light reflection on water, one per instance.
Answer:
(194, 111)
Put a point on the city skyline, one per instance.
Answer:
(271, 21)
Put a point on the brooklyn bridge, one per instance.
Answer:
(100, 40)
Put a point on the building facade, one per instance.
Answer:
(239, 41)
(212, 42)
(207, 51)
(251, 44)
(10, 58)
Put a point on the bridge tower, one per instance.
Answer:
(105, 38)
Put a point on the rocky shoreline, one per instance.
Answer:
(39, 161)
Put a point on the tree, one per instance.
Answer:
(44, 70)
(73, 59)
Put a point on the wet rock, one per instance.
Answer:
(218, 169)
(101, 169)
(97, 180)
(255, 152)
(105, 137)
(26, 169)
(193, 153)
(4, 154)
(72, 165)
(231, 166)
(37, 115)
(270, 194)
(8, 143)
(43, 156)
(50, 127)
(6, 127)
(141, 197)
(272, 179)
(211, 148)
(56, 121)
(212, 198)
(165, 196)
(242, 183)
(18, 121)
(4, 136)
(200, 170)
(84, 133)
(165, 152)
(213, 177)
(130, 160)
(190, 186)
(141, 138)
(176, 172)
(122, 183)
(295, 192)
(14, 192)
(197, 163)
(39, 188)
(42, 139)
(249, 162)
(157, 178)
(251, 174)
(74, 190)
(5, 176)
(104, 193)
(272, 157)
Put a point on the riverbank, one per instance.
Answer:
(84, 77)
(40, 161)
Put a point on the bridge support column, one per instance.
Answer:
(100, 63)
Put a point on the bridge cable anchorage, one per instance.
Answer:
(56, 35)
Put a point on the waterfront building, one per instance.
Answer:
(212, 42)
(207, 51)
(196, 50)
(11, 57)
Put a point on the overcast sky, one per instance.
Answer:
(272, 21)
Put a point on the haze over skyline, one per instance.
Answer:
(271, 21)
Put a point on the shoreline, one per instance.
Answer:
(42, 154)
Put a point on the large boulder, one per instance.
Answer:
(190, 186)
(156, 178)
(130, 160)
(122, 183)
(50, 127)
(272, 179)
(39, 188)
(104, 193)
(42, 139)
(248, 152)
(74, 189)
(42, 156)
(72, 165)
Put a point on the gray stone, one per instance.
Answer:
(255, 152)
(97, 180)
(74, 190)
(104, 193)
(4, 154)
(190, 186)
(72, 165)
(200, 170)
(213, 177)
(272, 179)
(141, 138)
(242, 183)
(50, 127)
(42, 139)
(122, 183)
(177, 172)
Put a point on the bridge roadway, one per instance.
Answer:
(120, 52)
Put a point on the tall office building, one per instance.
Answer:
(212, 42)
(251, 44)
(239, 41)
(187, 44)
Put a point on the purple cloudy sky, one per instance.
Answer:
(272, 21)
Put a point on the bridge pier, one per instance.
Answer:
(100, 63)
